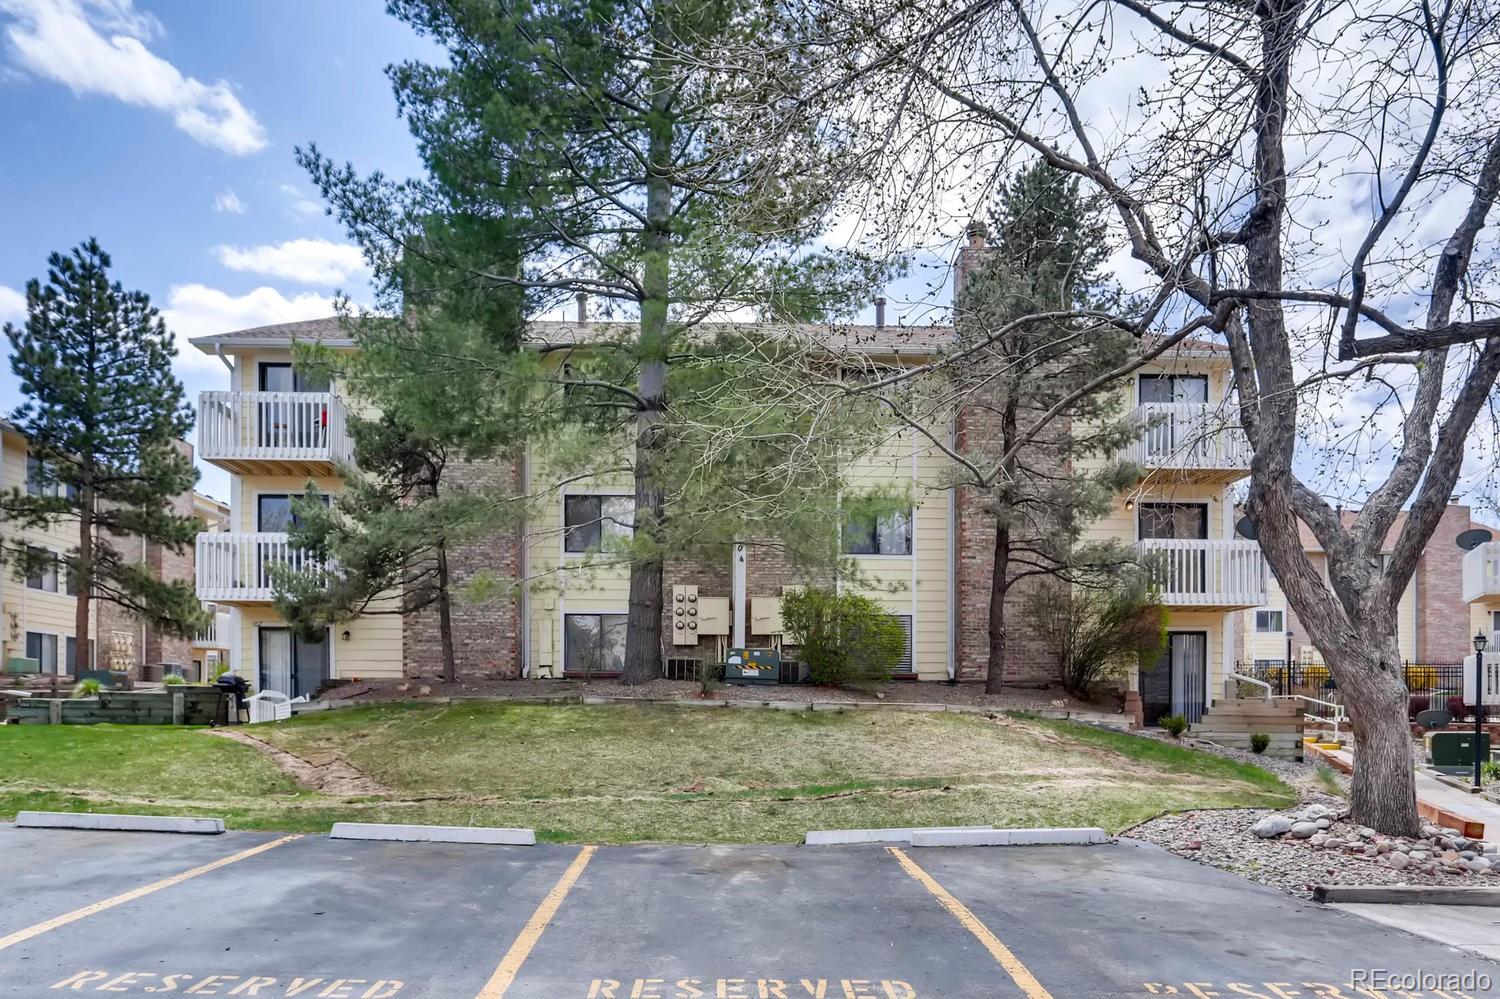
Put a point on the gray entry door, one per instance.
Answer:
(292, 665)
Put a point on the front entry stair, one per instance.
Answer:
(1232, 722)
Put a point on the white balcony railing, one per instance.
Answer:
(1481, 572)
(216, 634)
(1192, 573)
(237, 567)
(1188, 435)
(272, 426)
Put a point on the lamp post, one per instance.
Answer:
(1479, 643)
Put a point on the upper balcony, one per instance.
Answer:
(1189, 441)
(1206, 575)
(1481, 573)
(236, 568)
(214, 635)
(273, 433)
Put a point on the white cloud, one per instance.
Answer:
(12, 305)
(300, 203)
(98, 47)
(198, 310)
(228, 202)
(309, 261)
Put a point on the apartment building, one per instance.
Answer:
(1433, 617)
(1481, 590)
(38, 613)
(275, 431)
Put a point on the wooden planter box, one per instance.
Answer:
(180, 706)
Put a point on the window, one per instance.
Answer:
(906, 664)
(45, 578)
(1269, 621)
(1174, 388)
(1174, 520)
(593, 643)
(42, 648)
(885, 534)
(590, 520)
(273, 512)
(282, 377)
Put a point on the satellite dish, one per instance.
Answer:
(1469, 540)
(1245, 528)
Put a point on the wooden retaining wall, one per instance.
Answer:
(180, 706)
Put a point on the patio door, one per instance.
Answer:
(1180, 429)
(1178, 683)
(290, 664)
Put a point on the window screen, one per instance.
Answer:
(594, 643)
(591, 520)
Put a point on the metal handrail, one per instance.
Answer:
(1250, 679)
(1335, 710)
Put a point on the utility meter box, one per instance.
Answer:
(685, 616)
(752, 666)
(1456, 749)
(765, 615)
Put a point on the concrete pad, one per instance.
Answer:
(482, 835)
(1009, 837)
(1458, 925)
(103, 822)
(847, 837)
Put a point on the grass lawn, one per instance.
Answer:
(621, 773)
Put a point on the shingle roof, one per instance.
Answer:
(890, 339)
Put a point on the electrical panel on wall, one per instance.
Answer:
(713, 615)
(685, 615)
(765, 616)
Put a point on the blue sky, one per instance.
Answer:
(166, 128)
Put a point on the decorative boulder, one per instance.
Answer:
(1303, 830)
(1272, 826)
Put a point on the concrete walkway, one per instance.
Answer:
(1474, 816)
(1474, 928)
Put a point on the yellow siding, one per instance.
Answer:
(26, 609)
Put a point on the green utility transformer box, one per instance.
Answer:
(752, 666)
(1456, 749)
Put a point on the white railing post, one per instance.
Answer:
(1187, 435)
(1190, 572)
(286, 426)
(238, 566)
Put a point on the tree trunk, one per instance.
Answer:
(445, 618)
(994, 680)
(643, 627)
(84, 583)
(1384, 785)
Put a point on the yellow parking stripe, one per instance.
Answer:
(1018, 972)
(505, 974)
(130, 896)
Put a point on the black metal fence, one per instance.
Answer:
(1428, 685)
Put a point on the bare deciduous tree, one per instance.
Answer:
(1294, 176)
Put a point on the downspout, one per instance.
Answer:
(953, 567)
(525, 562)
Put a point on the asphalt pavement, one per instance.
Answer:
(261, 915)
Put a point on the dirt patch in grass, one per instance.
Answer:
(334, 775)
(655, 773)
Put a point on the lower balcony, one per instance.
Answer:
(1206, 575)
(237, 568)
(1481, 573)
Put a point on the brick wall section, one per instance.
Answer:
(978, 433)
(1442, 616)
(486, 636)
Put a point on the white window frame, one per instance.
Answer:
(609, 526)
(56, 573)
(562, 667)
(44, 635)
(1280, 628)
(911, 537)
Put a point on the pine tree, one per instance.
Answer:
(656, 156)
(104, 415)
(1044, 475)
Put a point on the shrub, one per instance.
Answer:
(172, 680)
(1457, 708)
(1175, 724)
(709, 676)
(1315, 676)
(1095, 634)
(1489, 771)
(87, 688)
(847, 640)
(1259, 742)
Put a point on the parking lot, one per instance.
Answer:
(254, 914)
